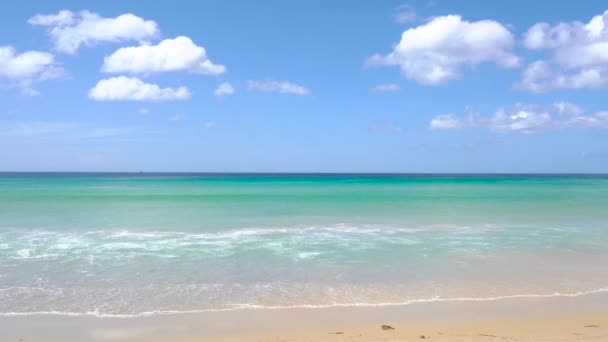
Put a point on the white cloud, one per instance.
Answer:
(568, 108)
(208, 124)
(283, 87)
(387, 87)
(579, 59)
(133, 89)
(524, 118)
(597, 120)
(541, 76)
(404, 14)
(224, 89)
(63, 18)
(567, 35)
(178, 54)
(143, 111)
(27, 65)
(435, 52)
(521, 118)
(22, 70)
(69, 30)
(450, 121)
(537, 77)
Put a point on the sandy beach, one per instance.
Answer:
(581, 318)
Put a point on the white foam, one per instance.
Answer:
(97, 313)
(23, 253)
(47, 244)
(308, 255)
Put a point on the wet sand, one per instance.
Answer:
(582, 318)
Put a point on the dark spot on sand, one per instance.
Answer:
(337, 333)
(591, 326)
(387, 327)
(422, 337)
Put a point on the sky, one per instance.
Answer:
(304, 86)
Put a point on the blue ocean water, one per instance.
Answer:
(132, 244)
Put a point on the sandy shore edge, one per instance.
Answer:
(523, 319)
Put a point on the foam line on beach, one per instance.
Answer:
(96, 313)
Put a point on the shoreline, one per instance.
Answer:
(520, 318)
(245, 307)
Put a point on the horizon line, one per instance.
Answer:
(299, 173)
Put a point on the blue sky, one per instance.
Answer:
(304, 86)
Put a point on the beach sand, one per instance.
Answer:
(581, 318)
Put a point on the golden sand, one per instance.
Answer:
(583, 318)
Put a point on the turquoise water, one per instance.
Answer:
(128, 244)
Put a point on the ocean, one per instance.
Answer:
(132, 244)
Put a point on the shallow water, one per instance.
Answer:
(127, 244)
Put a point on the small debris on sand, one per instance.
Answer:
(337, 333)
(488, 335)
(591, 326)
(422, 337)
(387, 327)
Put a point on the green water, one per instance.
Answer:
(210, 203)
(98, 242)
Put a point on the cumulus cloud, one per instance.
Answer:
(133, 89)
(541, 76)
(69, 30)
(387, 87)
(579, 56)
(435, 52)
(178, 54)
(24, 69)
(27, 65)
(525, 118)
(283, 87)
(224, 89)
